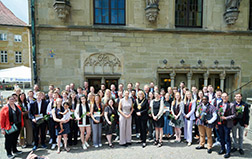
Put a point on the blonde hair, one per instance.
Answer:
(186, 99)
(106, 98)
(91, 98)
(174, 101)
(140, 92)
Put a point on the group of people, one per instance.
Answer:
(154, 114)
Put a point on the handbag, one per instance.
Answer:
(12, 130)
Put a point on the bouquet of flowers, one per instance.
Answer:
(73, 117)
(173, 120)
(23, 109)
(239, 111)
(220, 113)
(42, 120)
(112, 118)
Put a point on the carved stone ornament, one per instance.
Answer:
(102, 63)
(151, 10)
(62, 8)
(232, 11)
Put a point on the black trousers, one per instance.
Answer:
(134, 118)
(73, 132)
(142, 122)
(150, 127)
(36, 128)
(11, 140)
(52, 129)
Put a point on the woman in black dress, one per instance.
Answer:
(157, 109)
(73, 124)
(110, 115)
(141, 108)
(57, 118)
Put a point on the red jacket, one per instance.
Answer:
(4, 118)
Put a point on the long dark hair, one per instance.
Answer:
(80, 107)
(71, 102)
(19, 100)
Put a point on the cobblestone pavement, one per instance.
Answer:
(169, 150)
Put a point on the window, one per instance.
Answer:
(4, 57)
(109, 12)
(3, 37)
(250, 15)
(18, 38)
(188, 13)
(18, 57)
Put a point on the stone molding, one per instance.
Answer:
(102, 63)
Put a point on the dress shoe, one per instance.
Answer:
(221, 152)
(227, 155)
(209, 151)
(34, 148)
(234, 149)
(200, 147)
(144, 145)
(241, 151)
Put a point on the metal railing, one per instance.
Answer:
(240, 87)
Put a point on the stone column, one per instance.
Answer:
(189, 80)
(172, 76)
(222, 78)
(103, 80)
(206, 75)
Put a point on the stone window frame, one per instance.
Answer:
(18, 38)
(4, 56)
(18, 57)
(187, 15)
(3, 37)
(250, 15)
(109, 15)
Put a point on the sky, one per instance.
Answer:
(19, 8)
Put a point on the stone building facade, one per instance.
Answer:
(72, 47)
(14, 40)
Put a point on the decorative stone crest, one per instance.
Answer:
(151, 10)
(232, 11)
(62, 8)
(102, 63)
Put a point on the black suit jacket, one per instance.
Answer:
(34, 109)
(244, 119)
(144, 109)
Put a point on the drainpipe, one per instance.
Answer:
(34, 60)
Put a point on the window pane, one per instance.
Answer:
(113, 4)
(121, 18)
(188, 13)
(105, 16)
(121, 4)
(98, 17)
(105, 3)
(97, 3)
(109, 12)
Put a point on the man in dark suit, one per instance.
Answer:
(241, 121)
(226, 111)
(180, 89)
(38, 108)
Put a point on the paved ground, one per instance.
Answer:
(169, 150)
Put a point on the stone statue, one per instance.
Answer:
(231, 11)
(232, 4)
(152, 2)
